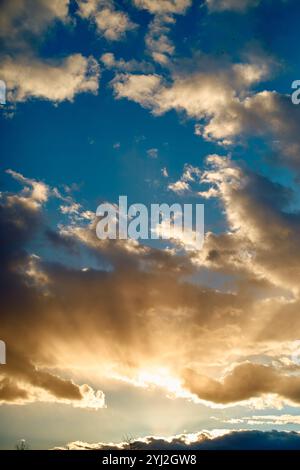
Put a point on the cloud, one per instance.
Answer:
(274, 420)
(15, 391)
(219, 96)
(111, 23)
(243, 382)
(215, 93)
(23, 18)
(10, 392)
(179, 187)
(111, 63)
(29, 77)
(233, 5)
(201, 90)
(262, 230)
(163, 6)
(34, 192)
(61, 321)
(152, 153)
(51, 311)
(234, 440)
(159, 45)
(21, 379)
(190, 175)
(138, 88)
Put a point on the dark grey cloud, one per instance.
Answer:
(236, 440)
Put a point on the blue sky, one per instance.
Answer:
(124, 98)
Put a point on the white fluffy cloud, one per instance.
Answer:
(139, 88)
(190, 175)
(207, 92)
(34, 194)
(220, 98)
(50, 80)
(111, 23)
(158, 43)
(23, 24)
(179, 187)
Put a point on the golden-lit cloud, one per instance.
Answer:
(57, 81)
(20, 18)
(243, 382)
(220, 97)
(61, 322)
(163, 326)
(110, 22)
(163, 6)
(24, 25)
(111, 62)
(262, 239)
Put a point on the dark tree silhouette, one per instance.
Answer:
(130, 443)
(22, 445)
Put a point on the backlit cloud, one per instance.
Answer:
(50, 80)
(244, 382)
(163, 323)
(105, 314)
(206, 440)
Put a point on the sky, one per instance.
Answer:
(164, 101)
